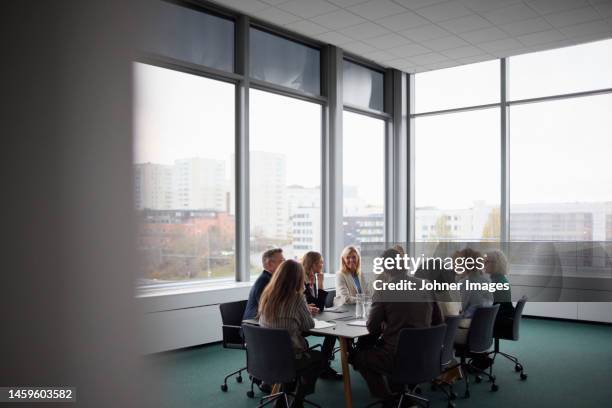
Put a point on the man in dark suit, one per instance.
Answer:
(270, 261)
(391, 312)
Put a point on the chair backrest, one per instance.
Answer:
(518, 313)
(480, 334)
(270, 354)
(231, 315)
(417, 358)
(329, 300)
(448, 351)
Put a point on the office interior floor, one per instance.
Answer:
(569, 364)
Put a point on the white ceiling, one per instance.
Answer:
(421, 35)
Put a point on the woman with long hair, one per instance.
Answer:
(349, 281)
(283, 306)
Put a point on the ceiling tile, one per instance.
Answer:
(346, 3)
(445, 43)
(441, 65)
(382, 56)
(276, 16)
(509, 14)
(605, 9)
(465, 24)
(364, 30)
(407, 51)
(444, 11)
(571, 17)
(484, 35)
(415, 4)
(501, 45)
(338, 19)
(307, 9)
(463, 52)
(431, 58)
(274, 2)
(400, 62)
(541, 37)
(333, 37)
(375, 9)
(532, 25)
(307, 27)
(402, 21)
(475, 59)
(553, 6)
(580, 30)
(358, 47)
(480, 6)
(428, 32)
(387, 41)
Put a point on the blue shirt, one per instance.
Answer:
(258, 287)
(357, 283)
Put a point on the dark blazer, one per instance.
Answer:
(392, 312)
(258, 287)
(319, 298)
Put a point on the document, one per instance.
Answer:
(321, 324)
(335, 309)
(361, 323)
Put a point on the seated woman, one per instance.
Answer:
(282, 306)
(470, 299)
(315, 297)
(349, 281)
(496, 266)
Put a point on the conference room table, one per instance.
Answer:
(345, 333)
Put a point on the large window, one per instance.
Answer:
(467, 85)
(560, 170)
(285, 175)
(457, 179)
(364, 179)
(184, 142)
(363, 87)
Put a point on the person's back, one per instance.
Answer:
(295, 317)
(270, 260)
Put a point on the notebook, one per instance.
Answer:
(321, 324)
(361, 323)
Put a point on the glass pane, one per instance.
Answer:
(363, 86)
(560, 170)
(193, 36)
(363, 170)
(565, 70)
(184, 142)
(285, 175)
(458, 176)
(467, 85)
(284, 62)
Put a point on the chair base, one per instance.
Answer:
(465, 366)
(283, 396)
(518, 367)
(406, 394)
(238, 374)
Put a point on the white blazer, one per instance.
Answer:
(346, 290)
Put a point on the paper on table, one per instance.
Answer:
(361, 323)
(335, 309)
(321, 324)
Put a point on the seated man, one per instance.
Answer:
(390, 313)
(270, 260)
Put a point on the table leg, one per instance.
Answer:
(346, 377)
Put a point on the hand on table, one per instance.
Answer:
(313, 309)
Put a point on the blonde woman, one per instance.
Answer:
(496, 266)
(349, 281)
(283, 306)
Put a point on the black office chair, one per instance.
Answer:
(479, 341)
(231, 316)
(448, 357)
(508, 329)
(271, 358)
(329, 301)
(417, 360)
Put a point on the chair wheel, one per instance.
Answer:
(523, 376)
(478, 379)
(518, 368)
(453, 395)
(417, 390)
(239, 379)
(224, 387)
(250, 394)
(494, 387)
(466, 394)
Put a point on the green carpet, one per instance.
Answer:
(569, 364)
